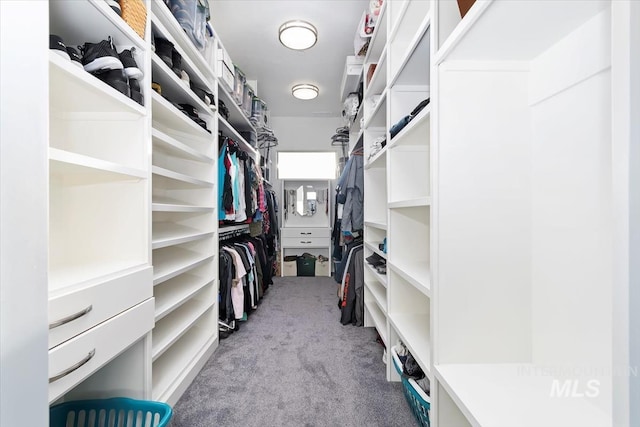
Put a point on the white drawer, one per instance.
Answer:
(305, 242)
(304, 232)
(78, 358)
(73, 313)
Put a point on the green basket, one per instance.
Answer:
(306, 265)
(417, 399)
(117, 411)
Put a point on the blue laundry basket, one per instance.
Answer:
(417, 399)
(117, 411)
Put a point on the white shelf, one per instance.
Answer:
(170, 370)
(66, 163)
(506, 395)
(378, 117)
(372, 247)
(230, 228)
(414, 332)
(167, 114)
(170, 145)
(382, 278)
(64, 279)
(378, 38)
(417, 274)
(378, 159)
(379, 293)
(414, 66)
(90, 94)
(422, 120)
(173, 293)
(166, 173)
(379, 320)
(169, 26)
(228, 130)
(177, 90)
(375, 224)
(412, 203)
(81, 21)
(170, 234)
(171, 328)
(172, 261)
(355, 126)
(166, 204)
(379, 78)
(237, 119)
(351, 78)
(510, 31)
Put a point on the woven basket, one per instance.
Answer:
(134, 13)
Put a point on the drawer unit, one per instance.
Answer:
(304, 232)
(75, 360)
(305, 242)
(73, 313)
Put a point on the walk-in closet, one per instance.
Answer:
(320, 213)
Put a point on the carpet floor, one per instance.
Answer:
(293, 364)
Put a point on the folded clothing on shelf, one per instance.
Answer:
(396, 128)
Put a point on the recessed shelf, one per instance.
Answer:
(168, 330)
(410, 134)
(166, 204)
(379, 37)
(379, 293)
(379, 320)
(378, 225)
(231, 132)
(412, 203)
(169, 234)
(378, 81)
(90, 94)
(170, 116)
(176, 89)
(378, 117)
(513, 394)
(67, 164)
(351, 76)
(166, 173)
(174, 365)
(411, 66)
(417, 274)
(170, 145)
(378, 159)
(372, 247)
(90, 21)
(508, 31)
(357, 121)
(382, 278)
(237, 119)
(172, 261)
(173, 293)
(414, 332)
(170, 26)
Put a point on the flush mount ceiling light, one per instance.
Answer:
(298, 35)
(305, 91)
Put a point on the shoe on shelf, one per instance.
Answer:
(176, 60)
(156, 86)
(163, 49)
(115, 6)
(136, 93)
(206, 97)
(99, 57)
(75, 56)
(374, 259)
(116, 79)
(184, 77)
(57, 45)
(131, 69)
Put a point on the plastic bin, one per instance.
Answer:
(306, 264)
(417, 399)
(259, 111)
(238, 86)
(192, 15)
(117, 411)
(247, 100)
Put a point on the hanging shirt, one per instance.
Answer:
(237, 291)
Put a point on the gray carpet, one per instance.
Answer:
(294, 364)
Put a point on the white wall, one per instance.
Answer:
(23, 213)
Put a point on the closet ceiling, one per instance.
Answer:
(249, 31)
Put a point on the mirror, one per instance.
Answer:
(306, 201)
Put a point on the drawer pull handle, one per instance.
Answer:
(305, 241)
(70, 318)
(74, 367)
(306, 234)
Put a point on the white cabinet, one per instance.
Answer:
(398, 180)
(99, 284)
(531, 107)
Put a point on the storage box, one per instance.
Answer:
(306, 265)
(290, 266)
(323, 268)
(226, 71)
(192, 16)
(238, 86)
(247, 100)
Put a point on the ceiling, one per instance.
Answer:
(249, 32)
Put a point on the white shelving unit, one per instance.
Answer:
(531, 135)
(100, 276)
(398, 180)
(184, 233)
